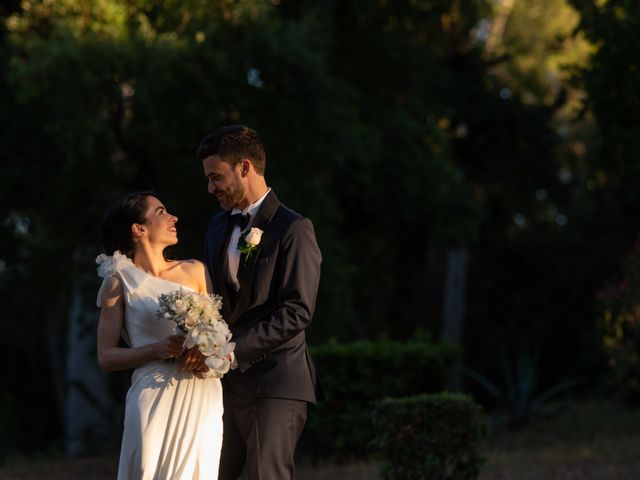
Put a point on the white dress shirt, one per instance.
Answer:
(233, 254)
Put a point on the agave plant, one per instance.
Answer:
(519, 397)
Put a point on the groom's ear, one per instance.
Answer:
(244, 167)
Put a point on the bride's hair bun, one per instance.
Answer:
(116, 226)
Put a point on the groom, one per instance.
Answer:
(265, 263)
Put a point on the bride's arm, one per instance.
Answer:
(110, 356)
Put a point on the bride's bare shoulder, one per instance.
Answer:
(192, 266)
(195, 269)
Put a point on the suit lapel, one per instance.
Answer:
(220, 241)
(247, 267)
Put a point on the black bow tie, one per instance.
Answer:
(241, 220)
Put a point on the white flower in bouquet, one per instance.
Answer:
(180, 306)
(198, 316)
(208, 338)
(218, 364)
(191, 319)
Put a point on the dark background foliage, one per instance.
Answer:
(402, 129)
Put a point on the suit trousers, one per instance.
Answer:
(261, 432)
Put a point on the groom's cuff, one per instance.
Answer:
(244, 366)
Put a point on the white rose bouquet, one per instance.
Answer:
(198, 317)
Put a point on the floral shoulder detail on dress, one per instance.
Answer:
(109, 265)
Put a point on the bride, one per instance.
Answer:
(173, 418)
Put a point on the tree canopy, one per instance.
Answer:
(401, 129)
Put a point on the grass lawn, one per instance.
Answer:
(585, 440)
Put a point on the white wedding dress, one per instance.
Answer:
(173, 420)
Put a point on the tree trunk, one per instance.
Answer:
(54, 341)
(453, 309)
(92, 419)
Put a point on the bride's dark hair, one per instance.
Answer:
(116, 226)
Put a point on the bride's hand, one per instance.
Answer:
(170, 347)
(193, 361)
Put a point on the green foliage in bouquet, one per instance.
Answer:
(620, 326)
(356, 374)
(429, 437)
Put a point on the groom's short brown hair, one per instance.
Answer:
(234, 143)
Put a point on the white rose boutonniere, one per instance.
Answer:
(248, 242)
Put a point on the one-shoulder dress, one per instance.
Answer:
(173, 420)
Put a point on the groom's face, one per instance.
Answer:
(223, 181)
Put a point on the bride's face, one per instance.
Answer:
(160, 225)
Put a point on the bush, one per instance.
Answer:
(429, 437)
(356, 374)
(620, 326)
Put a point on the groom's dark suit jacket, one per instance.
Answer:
(275, 303)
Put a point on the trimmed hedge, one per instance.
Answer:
(433, 437)
(354, 375)
(620, 327)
